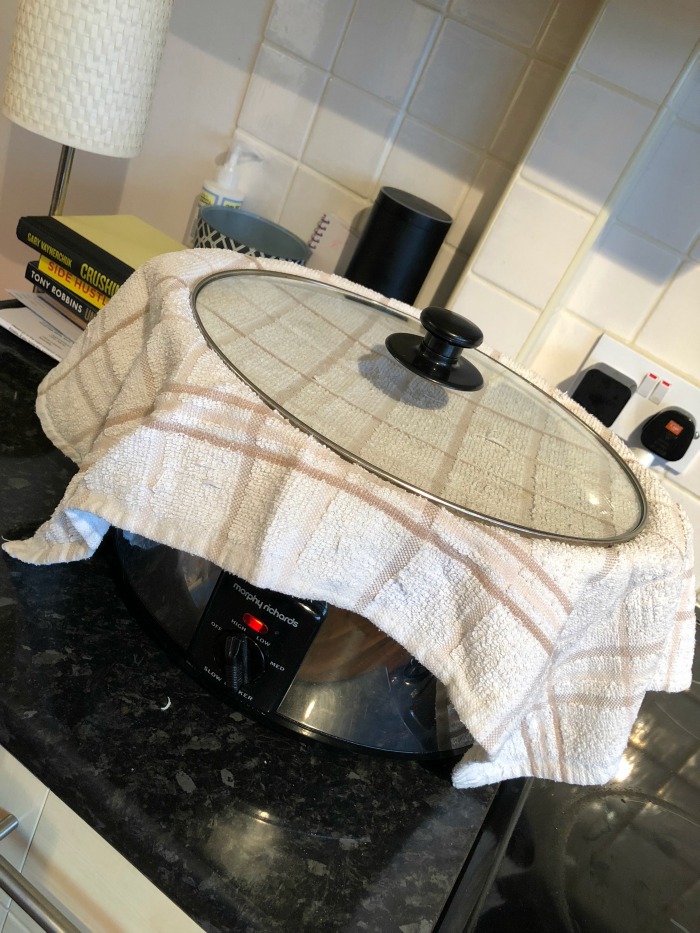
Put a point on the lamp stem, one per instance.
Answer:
(65, 164)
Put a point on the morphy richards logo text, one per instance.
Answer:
(265, 607)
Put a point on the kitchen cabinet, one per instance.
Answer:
(68, 862)
(24, 796)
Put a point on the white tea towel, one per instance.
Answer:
(546, 648)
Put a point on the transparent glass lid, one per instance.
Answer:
(506, 453)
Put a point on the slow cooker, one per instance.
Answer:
(419, 404)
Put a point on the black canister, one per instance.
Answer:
(398, 245)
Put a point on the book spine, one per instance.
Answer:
(84, 259)
(79, 287)
(75, 308)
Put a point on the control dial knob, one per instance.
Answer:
(241, 660)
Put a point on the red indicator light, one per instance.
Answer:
(674, 427)
(254, 623)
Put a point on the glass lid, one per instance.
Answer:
(505, 452)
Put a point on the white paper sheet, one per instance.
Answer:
(40, 325)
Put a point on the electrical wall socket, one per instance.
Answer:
(667, 391)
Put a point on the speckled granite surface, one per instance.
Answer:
(246, 829)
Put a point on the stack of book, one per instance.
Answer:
(84, 259)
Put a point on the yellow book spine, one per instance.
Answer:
(72, 282)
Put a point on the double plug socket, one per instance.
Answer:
(652, 390)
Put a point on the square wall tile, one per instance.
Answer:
(563, 349)
(531, 243)
(281, 101)
(431, 166)
(528, 105)
(228, 32)
(350, 136)
(586, 142)
(311, 196)
(311, 29)
(665, 200)
(672, 333)
(686, 101)
(476, 210)
(620, 281)
(517, 20)
(385, 46)
(564, 32)
(642, 46)
(505, 321)
(467, 84)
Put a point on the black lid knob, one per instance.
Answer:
(451, 327)
(438, 357)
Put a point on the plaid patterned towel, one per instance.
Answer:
(546, 648)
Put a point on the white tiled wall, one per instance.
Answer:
(345, 96)
(599, 231)
(340, 97)
(576, 156)
(435, 97)
(529, 267)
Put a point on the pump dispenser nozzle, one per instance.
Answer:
(227, 176)
(223, 190)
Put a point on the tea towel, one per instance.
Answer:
(546, 647)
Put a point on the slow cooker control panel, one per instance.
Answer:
(250, 642)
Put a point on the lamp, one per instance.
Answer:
(82, 73)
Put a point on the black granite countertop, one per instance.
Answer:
(244, 828)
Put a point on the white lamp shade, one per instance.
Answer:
(82, 72)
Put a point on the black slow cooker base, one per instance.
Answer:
(444, 759)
